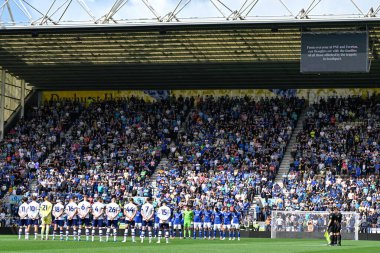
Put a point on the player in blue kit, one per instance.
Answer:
(207, 217)
(138, 220)
(226, 223)
(217, 217)
(156, 226)
(198, 216)
(177, 222)
(236, 218)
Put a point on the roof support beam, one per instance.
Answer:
(2, 103)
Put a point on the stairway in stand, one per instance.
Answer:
(287, 160)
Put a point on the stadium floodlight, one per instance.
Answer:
(304, 224)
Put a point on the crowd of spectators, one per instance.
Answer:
(205, 151)
(336, 160)
(231, 151)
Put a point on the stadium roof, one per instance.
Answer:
(181, 55)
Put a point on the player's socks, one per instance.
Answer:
(75, 234)
(54, 233)
(133, 234)
(93, 235)
(214, 233)
(167, 236)
(35, 235)
(61, 234)
(195, 234)
(150, 236)
(200, 233)
(184, 233)
(100, 234)
(67, 234)
(142, 235)
(19, 232)
(331, 239)
(189, 232)
(125, 234)
(87, 234)
(339, 239)
(26, 235)
(114, 234)
(107, 234)
(239, 235)
(42, 232)
(180, 233)
(79, 233)
(47, 232)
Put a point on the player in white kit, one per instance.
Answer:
(58, 212)
(34, 210)
(71, 211)
(164, 214)
(147, 213)
(84, 209)
(130, 211)
(24, 222)
(98, 215)
(112, 211)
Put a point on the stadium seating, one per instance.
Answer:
(336, 160)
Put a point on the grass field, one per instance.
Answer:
(12, 244)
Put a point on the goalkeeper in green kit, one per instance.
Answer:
(188, 216)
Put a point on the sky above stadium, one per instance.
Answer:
(135, 9)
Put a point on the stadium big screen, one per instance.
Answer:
(334, 52)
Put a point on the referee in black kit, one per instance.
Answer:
(335, 227)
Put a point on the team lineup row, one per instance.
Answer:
(146, 218)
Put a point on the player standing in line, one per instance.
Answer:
(34, 209)
(217, 217)
(207, 213)
(84, 209)
(236, 218)
(45, 213)
(71, 212)
(58, 210)
(164, 214)
(112, 212)
(147, 213)
(187, 219)
(156, 226)
(330, 227)
(177, 223)
(24, 223)
(130, 211)
(226, 223)
(198, 216)
(97, 222)
(138, 220)
(338, 227)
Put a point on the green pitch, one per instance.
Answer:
(12, 244)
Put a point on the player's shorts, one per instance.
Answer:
(130, 223)
(198, 225)
(235, 225)
(337, 228)
(164, 225)
(23, 222)
(46, 220)
(217, 226)
(71, 223)
(59, 223)
(138, 225)
(226, 226)
(97, 223)
(112, 223)
(177, 226)
(156, 225)
(33, 222)
(187, 224)
(170, 224)
(85, 221)
(207, 224)
(147, 223)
